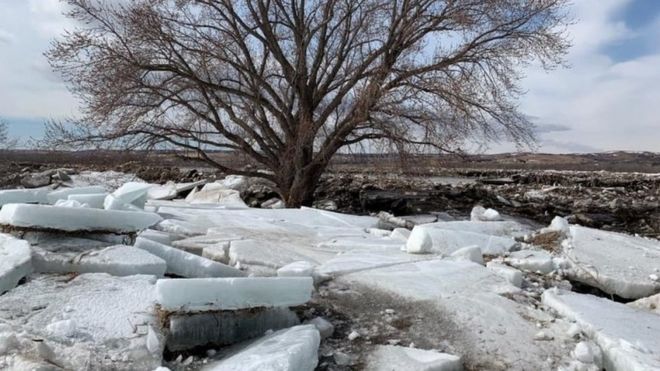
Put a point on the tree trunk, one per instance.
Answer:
(301, 190)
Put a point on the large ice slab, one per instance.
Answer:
(63, 194)
(190, 330)
(531, 260)
(94, 200)
(116, 260)
(24, 196)
(134, 193)
(628, 337)
(390, 357)
(15, 261)
(263, 253)
(615, 263)
(293, 349)
(75, 219)
(463, 303)
(185, 264)
(214, 193)
(91, 322)
(204, 294)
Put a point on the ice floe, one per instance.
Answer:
(15, 261)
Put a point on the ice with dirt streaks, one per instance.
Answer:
(118, 260)
(292, 349)
(75, 219)
(212, 294)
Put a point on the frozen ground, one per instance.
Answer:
(128, 275)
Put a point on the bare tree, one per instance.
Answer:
(5, 141)
(291, 82)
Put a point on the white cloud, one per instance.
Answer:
(608, 105)
(6, 37)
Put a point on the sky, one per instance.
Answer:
(608, 99)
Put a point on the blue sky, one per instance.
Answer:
(608, 99)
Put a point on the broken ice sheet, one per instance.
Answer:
(389, 357)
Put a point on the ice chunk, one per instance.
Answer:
(78, 219)
(613, 262)
(293, 349)
(94, 200)
(116, 260)
(400, 234)
(64, 194)
(236, 182)
(297, 269)
(218, 252)
(190, 330)
(326, 329)
(197, 244)
(512, 275)
(273, 203)
(203, 294)
(627, 336)
(359, 260)
(390, 357)
(425, 239)
(15, 261)
(134, 193)
(479, 214)
(531, 260)
(185, 264)
(214, 193)
(113, 203)
(500, 229)
(24, 196)
(90, 322)
(263, 253)
(157, 236)
(470, 253)
(558, 224)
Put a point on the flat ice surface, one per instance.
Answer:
(116, 260)
(94, 200)
(64, 194)
(91, 322)
(531, 260)
(203, 294)
(364, 259)
(297, 269)
(15, 261)
(426, 238)
(24, 196)
(390, 357)
(615, 263)
(185, 264)
(75, 219)
(461, 300)
(498, 228)
(628, 336)
(273, 255)
(222, 328)
(292, 349)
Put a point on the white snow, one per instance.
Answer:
(118, 260)
(15, 261)
(64, 194)
(293, 349)
(24, 196)
(75, 219)
(400, 234)
(297, 269)
(390, 357)
(512, 275)
(628, 337)
(185, 264)
(470, 253)
(202, 294)
(531, 260)
(615, 263)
